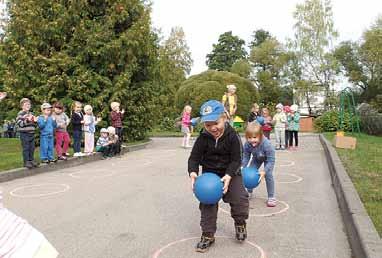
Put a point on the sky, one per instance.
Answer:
(204, 20)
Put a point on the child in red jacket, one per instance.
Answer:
(116, 119)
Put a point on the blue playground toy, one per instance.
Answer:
(208, 188)
(260, 120)
(251, 177)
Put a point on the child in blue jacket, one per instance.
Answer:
(47, 124)
(262, 151)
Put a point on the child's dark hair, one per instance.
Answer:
(58, 105)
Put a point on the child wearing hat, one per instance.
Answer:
(47, 125)
(218, 149)
(117, 118)
(262, 151)
(279, 120)
(293, 126)
(26, 124)
(90, 122)
(103, 143)
(62, 135)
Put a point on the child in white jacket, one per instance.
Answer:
(280, 120)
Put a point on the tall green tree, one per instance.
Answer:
(242, 67)
(269, 59)
(258, 37)
(313, 43)
(226, 52)
(361, 63)
(174, 65)
(87, 50)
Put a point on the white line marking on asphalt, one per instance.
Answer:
(297, 180)
(14, 193)
(159, 251)
(288, 163)
(270, 214)
(75, 175)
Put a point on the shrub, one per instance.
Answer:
(371, 120)
(330, 122)
(212, 85)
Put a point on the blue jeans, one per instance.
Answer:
(270, 182)
(77, 137)
(46, 147)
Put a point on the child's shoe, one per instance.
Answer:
(45, 161)
(282, 148)
(277, 147)
(204, 244)
(67, 154)
(53, 161)
(28, 164)
(62, 158)
(34, 163)
(77, 154)
(271, 202)
(241, 232)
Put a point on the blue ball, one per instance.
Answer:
(195, 121)
(260, 120)
(208, 188)
(251, 177)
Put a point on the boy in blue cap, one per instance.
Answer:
(218, 149)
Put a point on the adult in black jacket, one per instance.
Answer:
(218, 149)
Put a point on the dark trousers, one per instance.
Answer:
(27, 142)
(291, 135)
(119, 132)
(286, 138)
(105, 150)
(115, 148)
(237, 197)
(77, 137)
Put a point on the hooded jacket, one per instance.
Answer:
(222, 156)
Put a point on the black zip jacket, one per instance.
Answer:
(76, 121)
(222, 156)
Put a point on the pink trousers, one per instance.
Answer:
(62, 142)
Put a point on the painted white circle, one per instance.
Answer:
(284, 163)
(61, 188)
(91, 174)
(297, 179)
(159, 251)
(269, 214)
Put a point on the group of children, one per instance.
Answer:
(218, 149)
(286, 123)
(53, 125)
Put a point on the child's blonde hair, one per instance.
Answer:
(114, 105)
(76, 103)
(111, 130)
(185, 107)
(88, 108)
(255, 106)
(254, 129)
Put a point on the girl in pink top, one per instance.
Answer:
(186, 126)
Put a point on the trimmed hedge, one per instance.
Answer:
(329, 122)
(212, 85)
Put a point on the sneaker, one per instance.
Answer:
(53, 161)
(277, 147)
(282, 148)
(62, 158)
(241, 232)
(34, 163)
(271, 202)
(45, 161)
(204, 244)
(67, 154)
(28, 164)
(77, 154)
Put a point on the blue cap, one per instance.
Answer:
(211, 111)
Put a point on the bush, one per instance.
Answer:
(330, 122)
(371, 120)
(212, 85)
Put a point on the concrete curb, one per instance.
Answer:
(363, 237)
(71, 162)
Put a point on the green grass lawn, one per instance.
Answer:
(11, 153)
(364, 166)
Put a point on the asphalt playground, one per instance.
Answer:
(141, 205)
